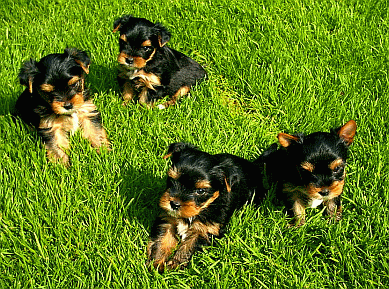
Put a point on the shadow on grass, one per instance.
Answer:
(141, 191)
(8, 104)
(102, 79)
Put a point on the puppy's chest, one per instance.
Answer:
(69, 123)
(313, 203)
(183, 227)
(73, 122)
(144, 79)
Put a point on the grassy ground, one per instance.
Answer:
(273, 66)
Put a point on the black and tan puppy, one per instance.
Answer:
(201, 195)
(309, 170)
(57, 103)
(148, 69)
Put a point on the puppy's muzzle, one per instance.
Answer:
(68, 106)
(175, 205)
(129, 61)
(324, 192)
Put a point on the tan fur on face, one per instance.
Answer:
(336, 188)
(73, 80)
(333, 165)
(308, 166)
(77, 101)
(311, 191)
(203, 184)
(47, 87)
(187, 209)
(146, 43)
(122, 58)
(57, 107)
(140, 62)
(164, 202)
(190, 209)
(174, 173)
(123, 37)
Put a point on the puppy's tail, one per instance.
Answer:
(178, 147)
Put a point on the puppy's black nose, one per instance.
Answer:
(325, 192)
(130, 61)
(174, 205)
(68, 106)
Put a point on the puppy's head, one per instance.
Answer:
(58, 79)
(194, 181)
(320, 159)
(139, 40)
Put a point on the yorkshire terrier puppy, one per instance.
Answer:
(148, 68)
(309, 170)
(201, 195)
(57, 103)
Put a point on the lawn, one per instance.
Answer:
(273, 66)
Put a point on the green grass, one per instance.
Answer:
(273, 66)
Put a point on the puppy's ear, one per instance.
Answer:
(287, 139)
(162, 33)
(81, 57)
(120, 22)
(27, 73)
(178, 147)
(347, 132)
(227, 173)
(271, 149)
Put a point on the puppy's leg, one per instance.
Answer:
(197, 236)
(143, 96)
(91, 125)
(334, 208)
(56, 141)
(126, 85)
(54, 131)
(299, 213)
(180, 92)
(193, 242)
(128, 92)
(162, 243)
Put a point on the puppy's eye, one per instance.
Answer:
(338, 169)
(200, 192)
(147, 48)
